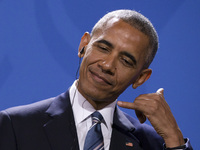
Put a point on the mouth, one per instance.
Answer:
(100, 79)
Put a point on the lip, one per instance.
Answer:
(99, 78)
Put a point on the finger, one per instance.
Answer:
(160, 91)
(127, 105)
(140, 116)
(142, 105)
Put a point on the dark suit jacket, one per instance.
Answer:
(49, 125)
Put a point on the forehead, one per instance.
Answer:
(116, 29)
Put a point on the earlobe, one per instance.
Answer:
(84, 42)
(144, 76)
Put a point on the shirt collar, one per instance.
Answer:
(82, 109)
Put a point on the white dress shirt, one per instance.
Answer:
(82, 110)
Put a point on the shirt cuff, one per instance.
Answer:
(182, 147)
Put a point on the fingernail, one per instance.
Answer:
(119, 103)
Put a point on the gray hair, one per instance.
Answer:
(139, 22)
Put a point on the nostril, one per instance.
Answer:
(108, 72)
(107, 67)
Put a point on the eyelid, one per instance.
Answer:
(129, 56)
(127, 62)
(103, 46)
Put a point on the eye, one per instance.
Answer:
(127, 62)
(103, 48)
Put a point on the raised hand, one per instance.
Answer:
(154, 107)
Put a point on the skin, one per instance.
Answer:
(113, 59)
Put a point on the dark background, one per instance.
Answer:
(39, 44)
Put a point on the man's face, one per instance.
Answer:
(113, 60)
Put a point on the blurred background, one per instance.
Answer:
(39, 45)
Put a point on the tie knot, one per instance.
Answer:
(97, 117)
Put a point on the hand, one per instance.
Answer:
(154, 107)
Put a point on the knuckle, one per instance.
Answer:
(155, 107)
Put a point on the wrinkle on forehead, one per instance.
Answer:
(122, 30)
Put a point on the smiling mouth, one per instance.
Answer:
(99, 78)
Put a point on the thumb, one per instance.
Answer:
(160, 91)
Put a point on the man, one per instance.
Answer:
(116, 54)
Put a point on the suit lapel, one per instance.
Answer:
(122, 133)
(60, 129)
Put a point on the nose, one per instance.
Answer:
(108, 65)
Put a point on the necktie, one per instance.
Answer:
(94, 137)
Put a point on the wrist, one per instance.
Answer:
(174, 140)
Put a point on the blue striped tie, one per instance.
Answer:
(94, 138)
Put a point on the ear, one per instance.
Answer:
(84, 41)
(144, 76)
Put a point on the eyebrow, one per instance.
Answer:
(130, 56)
(106, 43)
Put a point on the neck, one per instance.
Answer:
(96, 103)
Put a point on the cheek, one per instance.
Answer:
(126, 78)
(88, 59)
(91, 57)
(123, 81)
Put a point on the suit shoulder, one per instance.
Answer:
(26, 117)
(33, 108)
